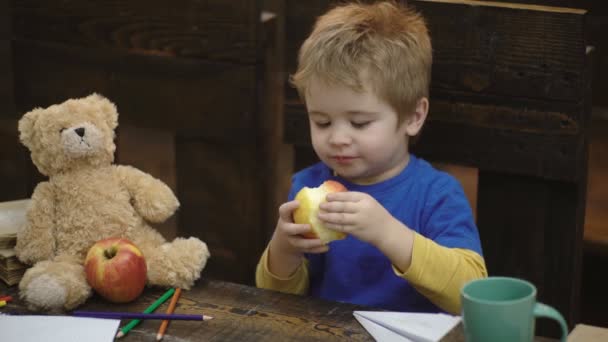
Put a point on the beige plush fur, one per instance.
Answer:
(87, 199)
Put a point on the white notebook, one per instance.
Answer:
(26, 328)
(406, 326)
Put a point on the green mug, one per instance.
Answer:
(503, 309)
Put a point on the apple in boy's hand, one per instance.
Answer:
(306, 213)
(116, 269)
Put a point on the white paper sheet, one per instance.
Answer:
(406, 326)
(380, 333)
(22, 328)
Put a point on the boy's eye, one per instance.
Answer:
(360, 124)
(322, 124)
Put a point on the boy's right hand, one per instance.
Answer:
(288, 239)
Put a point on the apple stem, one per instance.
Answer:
(110, 252)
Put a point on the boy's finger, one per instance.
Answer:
(344, 196)
(338, 207)
(297, 229)
(331, 219)
(286, 209)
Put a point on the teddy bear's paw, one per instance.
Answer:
(55, 285)
(154, 200)
(45, 292)
(178, 263)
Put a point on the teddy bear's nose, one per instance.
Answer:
(79, 131)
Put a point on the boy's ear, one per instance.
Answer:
(415, 122)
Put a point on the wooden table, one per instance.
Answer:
(241, 313)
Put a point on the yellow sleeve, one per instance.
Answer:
(297, 283)
(439, 272)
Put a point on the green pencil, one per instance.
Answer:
(124, 330)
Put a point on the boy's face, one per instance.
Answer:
(356, 133)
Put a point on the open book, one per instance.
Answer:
(12, 219)
(406, 326)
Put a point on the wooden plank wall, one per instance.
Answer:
(509, 96)
(596, 26)
(513, 82)
(13, 162)
(191, 72)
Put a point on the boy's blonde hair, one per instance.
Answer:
(384, 44)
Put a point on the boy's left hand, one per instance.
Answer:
(355, 213)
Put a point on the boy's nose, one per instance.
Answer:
(339, 137)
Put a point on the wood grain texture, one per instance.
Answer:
(243, 313)
(506, 52)
(230, 192)
(222, 197)
(240, 313)
(596, 25)
(14, 161)
(543, 222)
(13, 157)
(195, 97)
(214, 30)
(276, 155)
(7, 102)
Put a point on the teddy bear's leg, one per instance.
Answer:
(178, 263)
(55, 285)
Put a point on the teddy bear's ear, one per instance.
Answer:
(26, 126)
(107, 108)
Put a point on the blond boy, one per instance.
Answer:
(412, 243)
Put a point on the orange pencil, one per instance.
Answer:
(165, 323)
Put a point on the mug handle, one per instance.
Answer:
(544, 310)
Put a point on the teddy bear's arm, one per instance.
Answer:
(151, 198)
(35, 241)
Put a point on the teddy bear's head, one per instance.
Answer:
(70, 135)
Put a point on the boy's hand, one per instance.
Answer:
(357, 214)
(287, 236)
(287, 246)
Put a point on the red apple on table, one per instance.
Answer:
(116, 269)
(309, 200)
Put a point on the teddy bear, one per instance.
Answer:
(88, 198)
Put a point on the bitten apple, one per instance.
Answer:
(116, 269)
(310, 199)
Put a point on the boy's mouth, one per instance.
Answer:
(343, 159)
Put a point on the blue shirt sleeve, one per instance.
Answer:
(448, 218)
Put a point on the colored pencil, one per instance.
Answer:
(124, 330)
(138, 315)
(170, 310)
